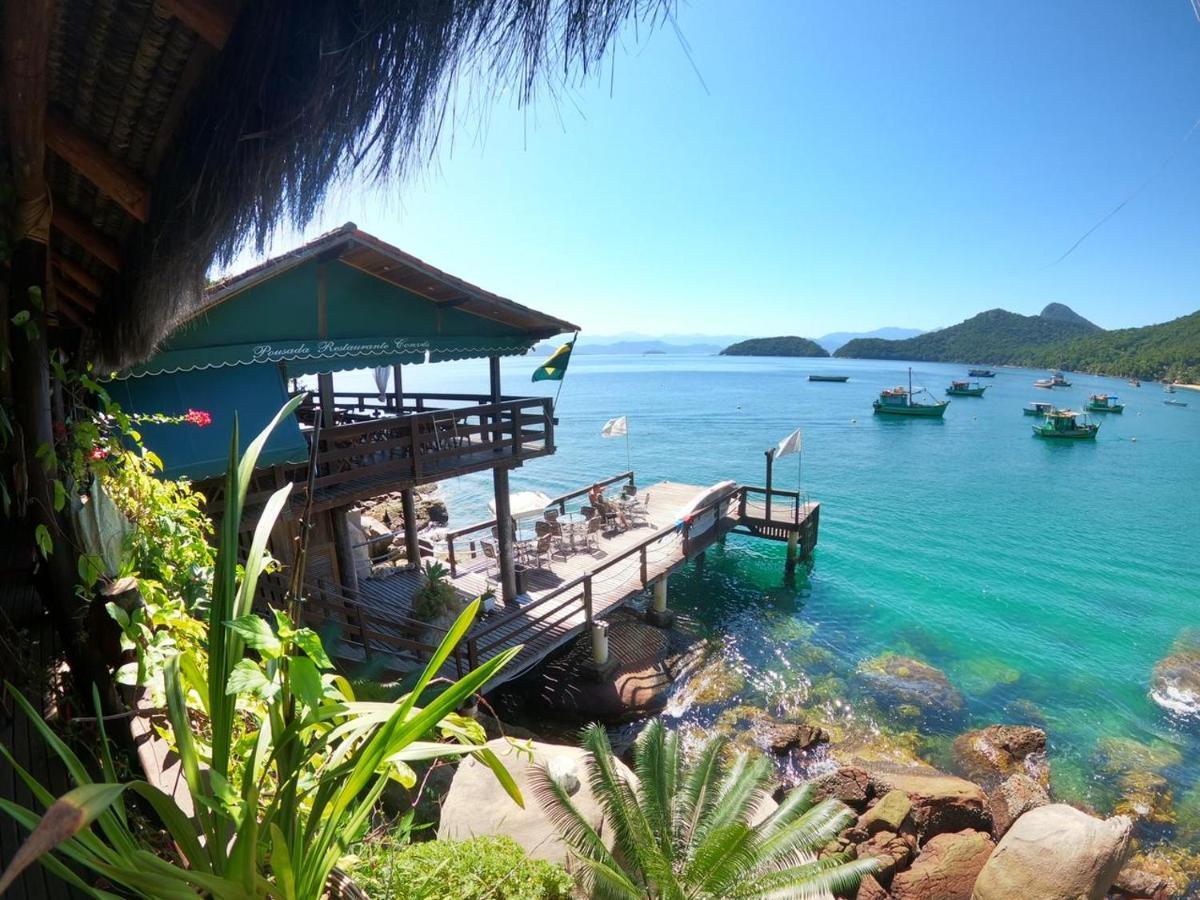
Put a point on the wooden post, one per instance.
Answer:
(793, 542)
(497, 395)
(328, 403)
(770, 454)
(658, 614)
(343, 549)
(398, 378)
(504, 536)
(412, 547)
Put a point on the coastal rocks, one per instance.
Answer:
(1175, 683)
(1136, 882)
(1171, 870)
(1146, 796)
(942, 803)
(1137, 768)
(870, 889)
(1015, 796)
(904, 680)
(754, 729)
(888, 814)
(991, 754)
(1056, 852)
(892, 851)
(476, 804)
(717, 681)
(946, 869)
(852, 785)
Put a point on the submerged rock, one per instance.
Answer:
(1147, 796)
(1121, 755)
(1014, 797)
(946, 869)
(1177, 868)
(1175, 683)
(902, 679)
(1056, 852)
(989, 755)
(717, 681)
(752, 728)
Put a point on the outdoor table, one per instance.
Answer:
(573, 523)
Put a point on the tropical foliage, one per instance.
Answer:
(687, 828)
(775, 346)
(483, 868)
(1168, 350)
(283, 765)
(434, 598)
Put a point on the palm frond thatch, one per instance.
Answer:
(308, 91)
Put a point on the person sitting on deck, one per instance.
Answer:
(602, 505)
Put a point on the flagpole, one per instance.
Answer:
(628, 458)
(554, 407)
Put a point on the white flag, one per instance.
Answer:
(790, 444)
(617, 427)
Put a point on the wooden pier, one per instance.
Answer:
(564, 596)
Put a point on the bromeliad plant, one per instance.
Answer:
(283, 765)
(685, 830)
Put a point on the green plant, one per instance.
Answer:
(435, 597)
(685, 830)
(495, 868)
(287, 765)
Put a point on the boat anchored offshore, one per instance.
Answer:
(837, 378)
(966, 389)
(1170, 402)
(1105, 403)
(1044, 383)
(1066, 423)
(981, 373)
(899, 402)
(1039, 409)
(1058, 380)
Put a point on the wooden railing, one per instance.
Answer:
(788, 504)
(576, 595)
(485, 527)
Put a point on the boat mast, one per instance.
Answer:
(910, 402)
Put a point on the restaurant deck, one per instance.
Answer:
(562, 597)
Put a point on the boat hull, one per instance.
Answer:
(969, 392)
(1105, 409)
(834, 378)
(1077, 434)
(925, 412)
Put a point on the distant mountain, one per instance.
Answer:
(1167, 350)
(997, 337)
(631, 343)
(836, 339)
(776, 346)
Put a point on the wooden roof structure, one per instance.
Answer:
(149, 138)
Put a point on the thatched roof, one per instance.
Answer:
(180, 129)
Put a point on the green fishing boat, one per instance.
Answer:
(1066, 424)
(1039, 409)
(1105, 403)
(900, 402)
(966, 389)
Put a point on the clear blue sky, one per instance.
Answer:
(843, 165)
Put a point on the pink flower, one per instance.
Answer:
(99, 453)
(198, 417)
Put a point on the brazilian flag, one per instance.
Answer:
(554, 368)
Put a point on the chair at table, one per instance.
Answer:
(550, 515)
(493, 562)
(588, 512)
(591, 537)
(542, 548)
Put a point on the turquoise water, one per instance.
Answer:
(1045, 579)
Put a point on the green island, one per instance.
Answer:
(788, 345)
(1058, 337)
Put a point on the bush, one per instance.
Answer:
(435, 597)
(492, 867)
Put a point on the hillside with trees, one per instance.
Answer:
(997, 337)
(789, 345)
(1167, 350)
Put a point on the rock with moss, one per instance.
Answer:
(1012, 798)
(946, 869)
(753, 729)
(1175, 682)
(987, 674)
(1146, 796)
(989, 755)
(717, 681)
(903, 679)
(1176, 868)
(1120, 755)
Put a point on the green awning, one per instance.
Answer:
(363, 321)
(253, 393)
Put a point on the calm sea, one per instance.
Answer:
(1045, 579)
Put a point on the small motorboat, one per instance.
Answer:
(1175, 402)
(837, 378)
(1039, 409)
(1135, 382)
(1046, 383)
(1066, 424)
(981, 373)
(966, 389)
(1058, 380)
(1108, 403)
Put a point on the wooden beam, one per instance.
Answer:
(77, 274)
(212, 20)
(27, 28)
(73, 295)
(98, 245)
(92, 160)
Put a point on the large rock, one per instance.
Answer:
(888, 814)
(753, 729)
(870, 889)
(1014, 797)
(942, 803)
(1056, 852)
(476, 804)
(890, 850)
(1175, 684)
(946, 869)
(852, 785)
(989, 755)
(904, 680)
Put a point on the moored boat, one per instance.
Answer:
(966, 389)
(837, 378)
(1038, 409)
(1105, 403)
(1059, 380)
(981, 373)
(899, 402)
(1066, 423)
(1135, 382)
(1175, 402)
(1043, 383)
